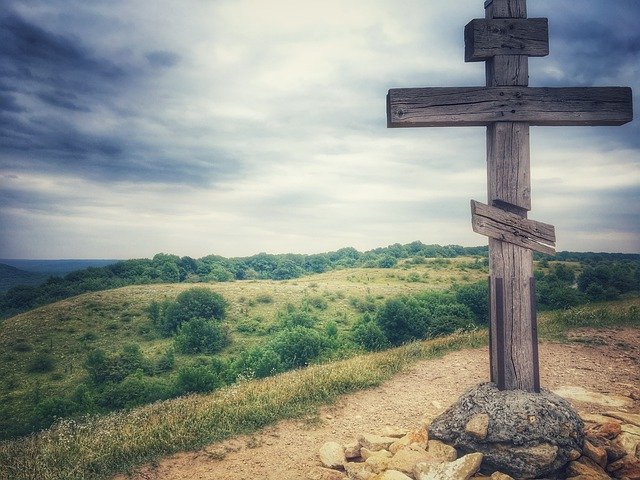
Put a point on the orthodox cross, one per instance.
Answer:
(505, 39)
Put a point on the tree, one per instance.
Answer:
(197, 302)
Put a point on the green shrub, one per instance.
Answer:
(317, 302)
(298, 346)
(476, 297)
(166, 361)
(42, 362)
(202, 336)
(135, 389)
(402, 320)
(259, 362)
(198, 302)
(197, 379)
(294, 317)
(22, 345)
(368, 334)
(446, 325)
(104, 368)
(52, 409)
(264, 298)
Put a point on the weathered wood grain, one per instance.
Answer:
(537, 231)
(505, 8)
(514, 264)
(484, 38)
(476, 106)
(511, 266)
(508, 172)
(507, 70)
(511, 228)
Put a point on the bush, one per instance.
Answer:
(134, 390)
(166, 361)
(475, 296)
(368, 334)
(41, 363)
(21, 345)
(202, 336)
(446, 325)
(104, 368)
(198, 302)
(259, 362)
(53, 408)
(298, 346)
(294, 317)
(402, 320)
(198, 379)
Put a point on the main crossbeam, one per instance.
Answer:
(479, 106)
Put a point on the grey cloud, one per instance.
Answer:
(50, 81)
(162, 58)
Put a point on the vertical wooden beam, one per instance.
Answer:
(514, 338)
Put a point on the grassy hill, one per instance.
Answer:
(99, 447)
(44, 350)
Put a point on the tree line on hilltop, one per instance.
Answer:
(167, 268)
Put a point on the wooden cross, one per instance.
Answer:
(505, 39)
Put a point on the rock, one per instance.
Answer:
(461, 469)
(332, 455)
(320, 473)
(392, 475)
(615, 450)
(376, 442)
(597, 454)
(393, 432)
(530, 435)
(542, 455)
(583, 395)
(609, 430)
(352, 450)
(500, 476)
(596, 418)
(632, 429)
(629, 442)
(358, 471)
(584, 467)
(441, 452)
(365, 453)
(478, 426)
(406, 459)
(419, 437)
(378, 463)
(627, 468)
(632, 418)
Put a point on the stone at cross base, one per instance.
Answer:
(505, 39)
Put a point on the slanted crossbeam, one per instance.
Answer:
(508, 227)
(505, 39)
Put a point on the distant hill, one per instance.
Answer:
(11, 277)
(55, 267)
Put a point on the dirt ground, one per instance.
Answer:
(601, 361)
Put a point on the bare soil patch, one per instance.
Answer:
(605, 361)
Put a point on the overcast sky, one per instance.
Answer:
(233, 127)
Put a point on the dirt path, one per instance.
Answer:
(604, 361)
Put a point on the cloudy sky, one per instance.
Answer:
(239, 126)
